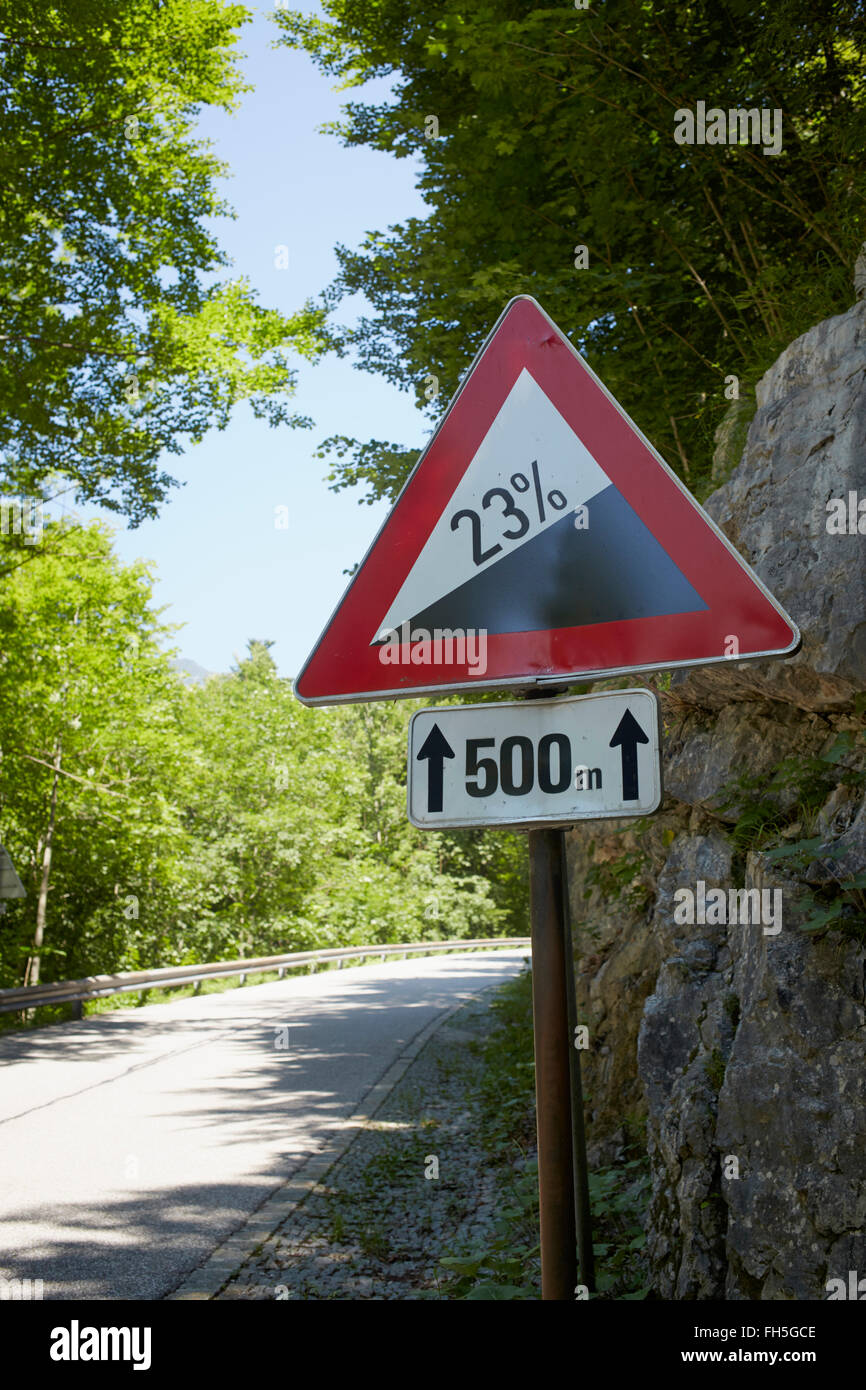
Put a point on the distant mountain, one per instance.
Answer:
(191, 669)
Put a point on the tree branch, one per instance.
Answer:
(85, 781)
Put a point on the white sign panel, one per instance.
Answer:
(535, 762)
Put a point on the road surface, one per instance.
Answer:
(133, 1143)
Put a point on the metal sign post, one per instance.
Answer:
(582, 1212)
(553, 1098)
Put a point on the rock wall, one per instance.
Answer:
(740, 1044)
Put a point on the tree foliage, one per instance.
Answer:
(119, 341)
(188, 822)
(543, 128)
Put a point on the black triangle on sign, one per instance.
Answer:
(569, 576)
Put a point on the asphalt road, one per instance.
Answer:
(133, 1143)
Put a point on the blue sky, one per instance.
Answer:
(224, 570)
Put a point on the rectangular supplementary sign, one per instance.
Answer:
(535, 762)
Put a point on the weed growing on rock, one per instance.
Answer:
(714, 1066)
(774, 810)
(618, 1197)
(622, 877)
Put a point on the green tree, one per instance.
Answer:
(541, 129)
(261, 795)
(300, 817)
(118, 340)
(84, 682)
(157, 821)
(387, 880)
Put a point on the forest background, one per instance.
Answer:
(154, 820)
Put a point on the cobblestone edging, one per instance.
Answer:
(379, 1224)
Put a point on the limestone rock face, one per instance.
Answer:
(793, 1105)
(805, 447)
(737, 1037)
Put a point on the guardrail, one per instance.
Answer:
(139, 981)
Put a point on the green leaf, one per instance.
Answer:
(498, 1292)
(469, 1267)
(820, 921)
(795, 848)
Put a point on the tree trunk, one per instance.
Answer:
(31, 974)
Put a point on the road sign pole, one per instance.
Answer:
(552, 1066)
(582, 1211)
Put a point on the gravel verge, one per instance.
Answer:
(415, 1184)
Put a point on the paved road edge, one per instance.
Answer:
(205, 1281)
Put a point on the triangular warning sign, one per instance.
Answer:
(539, 539)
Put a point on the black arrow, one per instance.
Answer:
(627, 736)
(435, 749)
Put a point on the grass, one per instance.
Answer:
(508, 1267)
